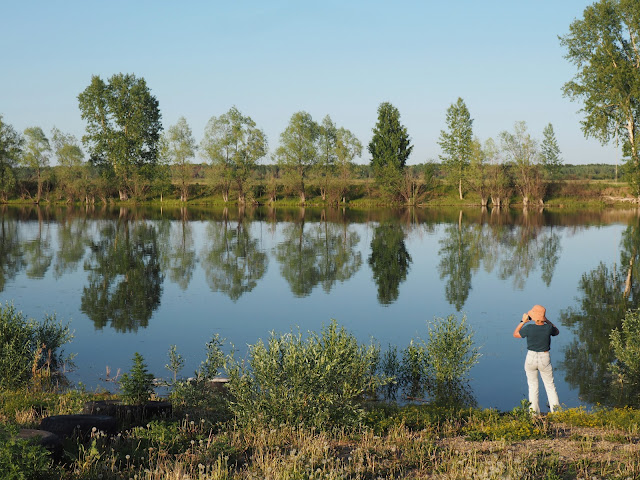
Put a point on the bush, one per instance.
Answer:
(626, 348)
(318, 381)
(21, 460)
(31, 350)
(137, 386)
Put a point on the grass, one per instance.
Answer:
(415, 441)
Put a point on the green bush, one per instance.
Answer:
(30, 350)
(626, 348)
(22, 460)
(136, 387)
(318, 381)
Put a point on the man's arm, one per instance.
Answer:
(525, 319)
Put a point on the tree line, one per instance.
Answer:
(128, 155)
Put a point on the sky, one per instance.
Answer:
(272, 58)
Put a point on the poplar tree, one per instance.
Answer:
(550, 153)
(456, 142)
(177, 147)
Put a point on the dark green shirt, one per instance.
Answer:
(538, 336)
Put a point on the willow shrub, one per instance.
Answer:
(30, 350)
(320, 380)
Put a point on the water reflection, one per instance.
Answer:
(177, 250)
(233, 260)
(125, 280)
(317, 253)
(606, 293)
(389, 261)
(72, 244)
(11, 253)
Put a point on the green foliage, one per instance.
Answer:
(626, 347)
(123, 130)
(22, 460)
(550, 153)
(233, 144)
(137, 386)
(32, 351)
(389, 261)
(450, 350)
(319, 381)
(11, 144)
(177, 147)
(456, 143)
(390, 148)
(298, 150)
(212, 365)
(603, 47)
(176, 362)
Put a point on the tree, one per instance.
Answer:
(10, 151)
(348, 147)
(550, 153)
(390, 148)
(123, 130)
(298, 150)
(234, 144)
(522, 150)
(479, 172)
(389, 261)
(36, 155)
(604, 45)
(499, 184)
(456, 142)
(70, 160)
(327, 154)
(177, 147)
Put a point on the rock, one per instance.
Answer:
(83, 425)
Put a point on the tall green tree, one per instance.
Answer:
(36, 155)
(123, 130)
(456, 143)
(177, 147)
(10, 151)
(390, 148)
(550, 153)
(298, 150)
(70, 163)
(233, 144)
(604, 47)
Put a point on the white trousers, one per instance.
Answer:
(540, 362)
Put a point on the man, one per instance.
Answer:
(538, 330)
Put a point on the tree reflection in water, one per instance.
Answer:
(606, 294)
(389, 261)
(125, 280)
(233, 261)
(177, 250)
(11, 255)
(317, 253)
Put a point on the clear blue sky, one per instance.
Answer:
(271, 58)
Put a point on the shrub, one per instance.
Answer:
(137, 386)
(319, 381)
(30, 350)
(22, 460)
(626, 348)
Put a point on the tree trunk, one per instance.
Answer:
(123, 195)
(460, 188)
(484, 201)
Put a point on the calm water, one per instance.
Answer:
(142, 280)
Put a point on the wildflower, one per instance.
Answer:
(127, 456)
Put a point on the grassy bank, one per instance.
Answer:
(415, 441)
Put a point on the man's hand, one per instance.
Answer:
(525, 318)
